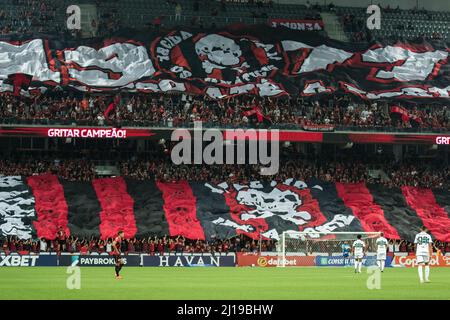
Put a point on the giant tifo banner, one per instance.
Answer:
(258, 60)
(38, 205)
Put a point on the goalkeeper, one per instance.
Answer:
(346, 252)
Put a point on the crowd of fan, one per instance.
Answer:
(408, 246)
(160, 167)
(180, 110)
(151, 245)
(161, 245)
(70, 170)
(398, 175)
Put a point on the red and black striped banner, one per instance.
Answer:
(38, 205)
(358, 198)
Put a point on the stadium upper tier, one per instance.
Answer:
(396, 24)
(20, 16)
(44, 15)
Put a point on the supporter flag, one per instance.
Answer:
(85, 104)
(20, 81)
(40, 204)
(255, 115)
(400, 112)
(415, 120)
(403, 114)
(112, 106)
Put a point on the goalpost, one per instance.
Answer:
(326, 243)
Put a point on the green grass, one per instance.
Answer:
(220, 283)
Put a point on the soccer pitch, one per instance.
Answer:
(49, 283)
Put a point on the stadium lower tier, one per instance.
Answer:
(37, 206)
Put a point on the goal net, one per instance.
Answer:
(322, 243)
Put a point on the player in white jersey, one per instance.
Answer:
(358, 250)
(424, 252)
(382, 245)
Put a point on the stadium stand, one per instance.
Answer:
(158, 110)
(397, 24)
(166, 245)
(381, 168)
(36, 163)
(139, 13)
(22, 16)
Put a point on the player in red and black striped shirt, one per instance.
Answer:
(116, 246)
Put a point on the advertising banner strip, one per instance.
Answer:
(341, 261)
(98, 260)
(410, 261)
(28, 260)
(79, 132)
(257, 260)
(297, 24)
(320, 134)
(189, 261)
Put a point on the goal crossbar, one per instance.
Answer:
(317, 237)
